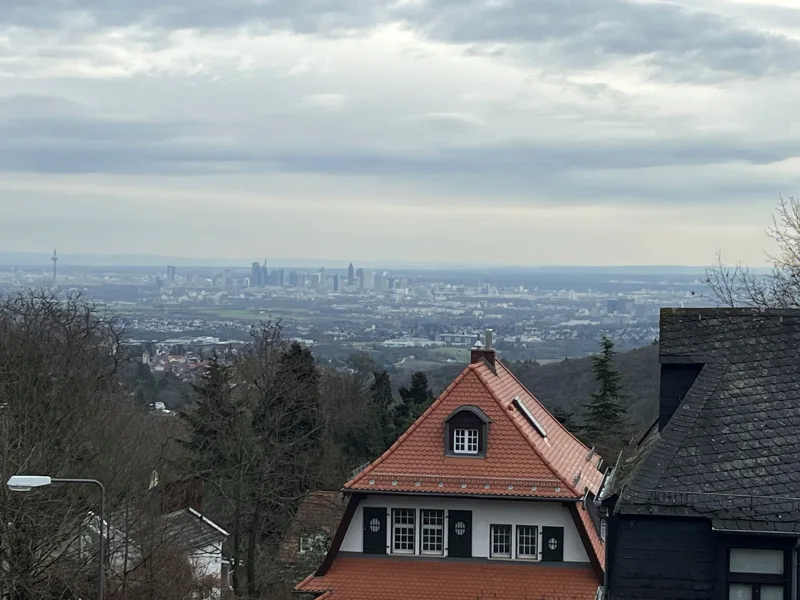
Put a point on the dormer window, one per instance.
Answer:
(465, 441)
(466, 432)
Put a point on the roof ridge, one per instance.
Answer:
(413, 427)
(544, 408)
(546, 462)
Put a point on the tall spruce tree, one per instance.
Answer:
(413, 402)
(381, 404)
(605, 418)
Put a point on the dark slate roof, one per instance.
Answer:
(631, 459)
(730, 452)
(189, 530)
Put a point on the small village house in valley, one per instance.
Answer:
(486, 496)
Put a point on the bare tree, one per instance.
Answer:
(741, 286)
(65, 412)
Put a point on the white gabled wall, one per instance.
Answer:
(484, 514)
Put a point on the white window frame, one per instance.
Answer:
(435, 528)
(534, 540)
(466, 441)
(757, 579)
(495, 530)
(404, 527)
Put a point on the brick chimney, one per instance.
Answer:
(484, 351)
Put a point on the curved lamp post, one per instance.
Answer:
(26, 483)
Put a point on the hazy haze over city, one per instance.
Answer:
(502, 132)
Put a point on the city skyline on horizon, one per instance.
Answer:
(42, 259)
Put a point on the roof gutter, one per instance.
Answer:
(565, 499)
(753, 532)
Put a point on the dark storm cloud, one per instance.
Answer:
(578, 33)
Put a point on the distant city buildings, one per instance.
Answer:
(621, 306)
(171, 273)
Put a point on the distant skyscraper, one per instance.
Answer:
(368, 279)
(380, 281)
(264, 274)
(293, 279)
(281, 278)
(171, 271)
(351, 275)
(360, 276)
(301, 281)
(336, 282)
(255, 275)
(227, 280)
(323, 278)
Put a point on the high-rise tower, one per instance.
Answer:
(54, 258)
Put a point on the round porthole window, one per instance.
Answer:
(460, 528)
(552, 543)
(375, 525)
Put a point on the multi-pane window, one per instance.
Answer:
(756, 574)
(501, 541)
(465, 441)
(403, 530)
(432, 525)
(527, 536)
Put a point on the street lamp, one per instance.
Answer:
(26, 483)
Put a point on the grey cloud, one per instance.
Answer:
(302, 16)
(85, 145)
(589, 32)
(581, 33)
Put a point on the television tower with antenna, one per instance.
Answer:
(54, 258)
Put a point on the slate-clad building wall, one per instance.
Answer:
(670, 558)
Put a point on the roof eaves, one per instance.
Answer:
(208, 522)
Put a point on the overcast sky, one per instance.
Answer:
(544, 132)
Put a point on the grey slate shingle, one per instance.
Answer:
(731, 451)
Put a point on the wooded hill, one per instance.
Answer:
(566, 386)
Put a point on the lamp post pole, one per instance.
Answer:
(25, 483)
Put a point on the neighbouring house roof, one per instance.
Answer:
(367, 578)
(519, 460)
(730, 450)
(190, 530)
(318, 512)
(185, 529)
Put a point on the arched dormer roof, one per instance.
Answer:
(469, 409)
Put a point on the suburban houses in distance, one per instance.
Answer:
(485, 496)
(707, 505)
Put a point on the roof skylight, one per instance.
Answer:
(529, 416)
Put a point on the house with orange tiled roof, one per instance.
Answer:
(485, 496)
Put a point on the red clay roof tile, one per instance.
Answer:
(368, 578)
(518, 462)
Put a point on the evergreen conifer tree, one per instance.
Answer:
(605, 417)
(413, 402)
